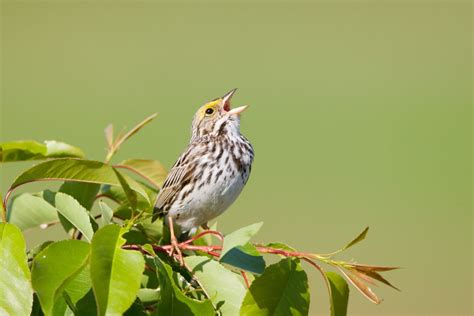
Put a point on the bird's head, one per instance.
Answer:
(217, 117)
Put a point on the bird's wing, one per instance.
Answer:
(177, 177)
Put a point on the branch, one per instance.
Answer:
(359, 275)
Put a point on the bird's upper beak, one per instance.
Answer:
(226, 101)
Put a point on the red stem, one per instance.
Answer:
(215, 254)
(206, 232)
(211, 249)
(136, 247)
(245, 278)
(4, 203)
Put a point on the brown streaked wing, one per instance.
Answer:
(179, 173)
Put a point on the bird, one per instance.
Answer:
(210, 173)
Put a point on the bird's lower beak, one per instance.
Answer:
(238, 110)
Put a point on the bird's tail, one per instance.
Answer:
(158, 213)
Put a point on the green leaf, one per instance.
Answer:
(339, 294)
(123, 212)
(76, 170)
(78, 216)
(118, 195)
(152, 230)
(358, 239)
(240, 237)
(116, 273)
(245, 258)
(281, 290)
(60, 306)
(50, 197)
(129, 193)
(54, 268)
(32, 150)
(22, 150)
(86, 305)
(134, 237)
(30, 210)
(16, 293)
(55, 149)
(95, 225)
(151, 170)
(80, 285)
(280, 246)
(137, 309)
(32, 253)
(239, 253)
(173, 301)
(114, 193)
(36, 310)
(107, 214)
(148, 295)
(84, 193)
(224, 287)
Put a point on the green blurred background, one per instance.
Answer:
(360, 116)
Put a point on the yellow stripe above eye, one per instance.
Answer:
(213, 104)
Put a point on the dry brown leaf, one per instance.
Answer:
(361, 286)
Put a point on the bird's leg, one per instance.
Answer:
(174, 243)
(205, 226)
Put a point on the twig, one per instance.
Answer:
(206, 232)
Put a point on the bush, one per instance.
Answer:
(118, 261)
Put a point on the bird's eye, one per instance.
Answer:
(209, 111)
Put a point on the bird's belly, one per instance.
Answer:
(209, 201)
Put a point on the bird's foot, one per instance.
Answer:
(176, 250)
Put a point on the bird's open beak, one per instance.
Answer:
(238, 110)
(226, 101)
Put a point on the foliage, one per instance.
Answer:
(118, 261)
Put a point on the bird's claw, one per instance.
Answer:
(176, 251)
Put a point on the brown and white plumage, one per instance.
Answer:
(211, 172)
